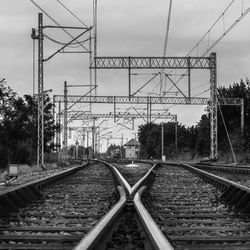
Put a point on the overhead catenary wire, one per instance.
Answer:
(213, 25)
(65, 7)
(53, 20)
(166, 42)
(73, 45)
(224, 33)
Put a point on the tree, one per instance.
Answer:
(203, 136)
(113, 148)
(150, 136)
(232, 118)
(18, 126)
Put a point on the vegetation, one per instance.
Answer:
(115, 150)
(18, 130)
(18, 127)
(195, 139)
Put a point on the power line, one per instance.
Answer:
(209, 30)
(53, 20)
(73, 45)
(166, 43)
(225, 32)
(65, 7)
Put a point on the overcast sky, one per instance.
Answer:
(125, 28)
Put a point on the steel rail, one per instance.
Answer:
(213, 177)
(142, 181)
(153, 232)
(132, 190)
(96, 236)
(235, 195)
(121, 179)
(223, 168)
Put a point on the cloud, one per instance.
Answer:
(124, 28)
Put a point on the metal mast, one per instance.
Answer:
(95, 39)
(213, 112)
(93, 138)
(65, 130)
(58, 143)
(40, 141)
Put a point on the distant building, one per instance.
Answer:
(132, 149)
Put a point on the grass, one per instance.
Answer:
(26, 170)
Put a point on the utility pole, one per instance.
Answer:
(122, 148)
(40, 102)
(93, 139)
(59, 132)
(242, 115)
(213, 113)
(87, 144)
(162, 142)
(95, 39)
(176, 135)
(77, 149)
(97, 141)
(90, 69)
(65, 131)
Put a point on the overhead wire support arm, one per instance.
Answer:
(79, 100)
(45, 60)
(65, 7)
(64, 27)
(53, 20)
(74, 52)
(176, 86)
(145, 84)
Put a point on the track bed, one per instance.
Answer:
(132, 174)
(65, 212)
(190, 214)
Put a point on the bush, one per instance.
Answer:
(3, 157)
(21, 155)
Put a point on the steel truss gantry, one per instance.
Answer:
(151, 62)
(83, 116)
(187, 63)
(145, 100)
(159, 100)
(130, 63)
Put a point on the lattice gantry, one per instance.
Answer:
(150, 63)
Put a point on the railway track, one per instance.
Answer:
(239, 174)
(157, 207)
(133, 172)
(63, 213)
(127, 225)
(192, 214)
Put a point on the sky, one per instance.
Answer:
(125, 28)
